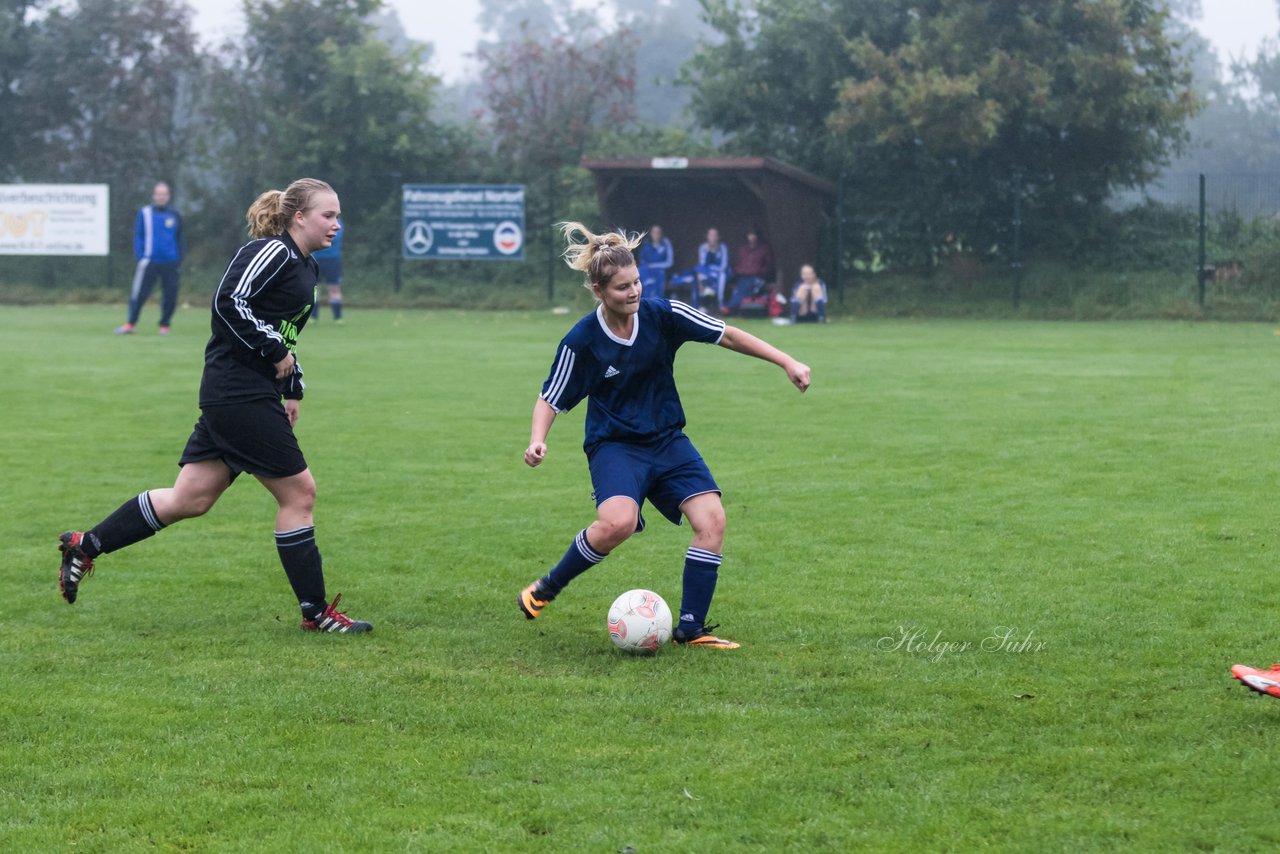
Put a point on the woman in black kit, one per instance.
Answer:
(249, 399)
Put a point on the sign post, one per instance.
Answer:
(551, 237)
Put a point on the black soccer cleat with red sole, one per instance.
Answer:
(75, 567)
(334, 621)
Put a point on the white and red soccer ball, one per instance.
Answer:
(639, 622)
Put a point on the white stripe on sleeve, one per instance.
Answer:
(148, 227)
(560, 378)
(241, 293)
(704, 320)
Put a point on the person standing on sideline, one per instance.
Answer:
(656, 258)
(159, 246)
(622, 357)
(330, 261)
(249, 399)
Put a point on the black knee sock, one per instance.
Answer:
(301, 559)
(132, 521)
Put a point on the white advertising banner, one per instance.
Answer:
(53, 219)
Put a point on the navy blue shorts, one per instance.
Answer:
(253, 437)
(330, 270)
(666, 473)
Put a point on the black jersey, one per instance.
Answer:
(259, 309)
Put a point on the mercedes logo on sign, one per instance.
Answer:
(418, 238)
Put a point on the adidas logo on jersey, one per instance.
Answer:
(611, 372)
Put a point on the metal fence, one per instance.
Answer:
(1249, 194)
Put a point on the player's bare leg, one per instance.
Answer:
(197, 488)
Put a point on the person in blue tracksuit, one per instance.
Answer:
(656, 258)
(621, 359)
(713, 267)
(158, 245)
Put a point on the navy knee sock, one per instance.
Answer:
(300, 557)
(132, 521)
(336, 305)
(578, 559)
(701, 569)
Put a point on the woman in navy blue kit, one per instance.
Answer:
(621, 357)
(250, 394)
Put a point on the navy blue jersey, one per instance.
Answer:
(631, 383)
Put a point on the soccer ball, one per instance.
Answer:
(639, 621)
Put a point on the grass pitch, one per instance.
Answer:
(989, 579)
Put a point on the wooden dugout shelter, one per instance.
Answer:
(686, 196)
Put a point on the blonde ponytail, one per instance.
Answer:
(597, 255)
(271, 212)
(266, 215)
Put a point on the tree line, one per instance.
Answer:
(932, 115)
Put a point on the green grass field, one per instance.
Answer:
(989, 579)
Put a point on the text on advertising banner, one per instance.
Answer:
(463, 222)
(53, 219)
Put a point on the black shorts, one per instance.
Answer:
(253, 437)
